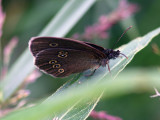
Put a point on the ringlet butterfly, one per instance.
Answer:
(61, 57)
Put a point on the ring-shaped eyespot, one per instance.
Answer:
(63, 52)
(52, 61)
(56, 66)
(53, 44)
(61, 70)
(62, 55)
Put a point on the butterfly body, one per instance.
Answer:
(61, 57)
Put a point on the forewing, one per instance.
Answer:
(61, 62)
(95, 46)
(37, 44)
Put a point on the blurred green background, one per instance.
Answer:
(26, 18)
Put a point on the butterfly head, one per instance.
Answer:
(111, 54)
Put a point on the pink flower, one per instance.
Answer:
(19, 96)
(105, 22)
(17, 101)
(33, 77)
(2, 18)
(7, 53)
(103, 116)
(9, 49)
(125, 9)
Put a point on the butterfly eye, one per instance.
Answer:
(52, 61)
(53, 44)
(56, 66)
(62, 55)
(61, 70)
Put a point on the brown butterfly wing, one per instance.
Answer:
(38, 44)
(95, 46)
(61, 62)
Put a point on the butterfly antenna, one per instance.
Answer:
(121, 36)
(124, 55)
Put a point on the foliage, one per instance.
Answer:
(78, 96)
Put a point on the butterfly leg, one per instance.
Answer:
(91, 73)
(109, 70)
(108, 67)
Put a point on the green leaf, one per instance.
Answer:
(83, 91)
(60, 25)
(78, 110)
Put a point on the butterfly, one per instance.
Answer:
(61, 57)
